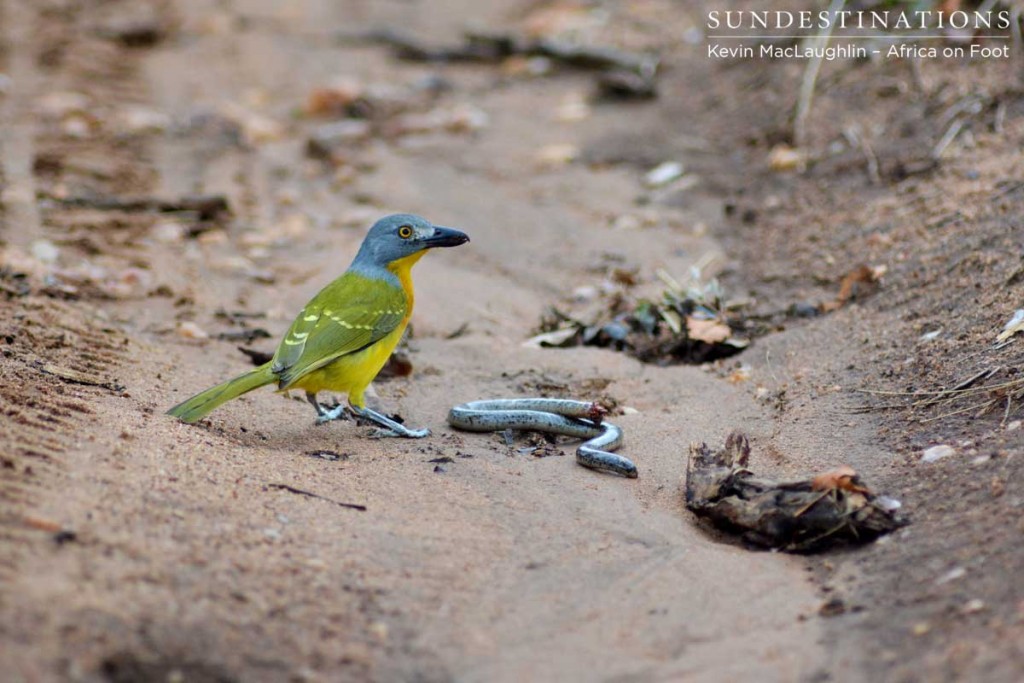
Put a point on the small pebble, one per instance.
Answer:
(804, 309)
(168, 232)
(974, 606)
(128, 283)
(137, 119)
(379, 630)
(45, 251)
(937, 453)
(189, 330)
(61, 103)
(693, 35)
(295, 225)
(76, 126)
(572, 109)
(888, 504)
(951, 575)
(557, 154)
(585, 293)
(627, 222)
(663, 174)
(785, 158)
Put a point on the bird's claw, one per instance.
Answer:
(383, 433)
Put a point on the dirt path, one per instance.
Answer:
(136, 548)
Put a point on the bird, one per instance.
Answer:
(345, 334)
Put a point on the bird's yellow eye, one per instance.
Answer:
(405, 232)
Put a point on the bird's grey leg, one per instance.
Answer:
(388, 426)
(311, 397)
(323, 414)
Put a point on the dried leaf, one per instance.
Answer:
(673, 320)
(864, 275)
(785, 158)
(1013, 326)
(843, 477)
(554, 338)
(333, 99)
(858, 283)
(709, 331)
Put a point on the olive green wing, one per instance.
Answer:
(348, 315)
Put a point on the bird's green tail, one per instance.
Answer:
(202, 404)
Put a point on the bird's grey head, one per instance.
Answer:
(404, 234)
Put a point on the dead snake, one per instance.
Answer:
(555, 416)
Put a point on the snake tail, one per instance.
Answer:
(202, 404)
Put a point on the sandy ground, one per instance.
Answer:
(471, 562)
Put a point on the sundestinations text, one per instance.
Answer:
(775, 20)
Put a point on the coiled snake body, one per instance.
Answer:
(553, 415)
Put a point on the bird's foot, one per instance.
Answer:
(388, 427)
(335, 412)
(338, 412)
(406, 433)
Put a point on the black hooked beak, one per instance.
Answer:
(445, 237)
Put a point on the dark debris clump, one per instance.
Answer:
(833, 508)
(691, 326)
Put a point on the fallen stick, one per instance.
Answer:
(310, 494)
(76, 377)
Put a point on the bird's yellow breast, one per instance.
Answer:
(353, 372)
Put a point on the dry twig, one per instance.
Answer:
(309, 494)
(803, 105)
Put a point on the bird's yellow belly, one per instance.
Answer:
(352, 373)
